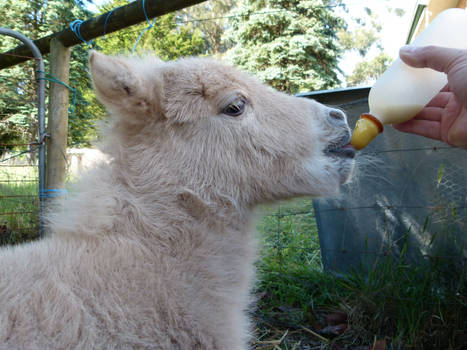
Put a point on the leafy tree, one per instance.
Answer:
(210, 18)
(166, 38)
(367, 71)
(291, 44)
(364, 36)
(18, 112)
(362, 39)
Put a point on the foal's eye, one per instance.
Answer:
(236, 108)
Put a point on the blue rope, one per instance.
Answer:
(75, 28)
(106, 20)
(150, 25)
(145, 14)
(50, 77)
(52, 193)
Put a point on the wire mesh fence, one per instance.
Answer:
(407, 198)
(289, 236)
(19, 188)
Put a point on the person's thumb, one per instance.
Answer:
(438, 58)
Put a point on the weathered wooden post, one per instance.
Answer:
(58, 119)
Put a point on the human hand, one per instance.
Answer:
(444, 118)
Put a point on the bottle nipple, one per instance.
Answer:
(366, 129)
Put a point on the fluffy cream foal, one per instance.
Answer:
(154, 249)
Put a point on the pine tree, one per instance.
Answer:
(290, 44)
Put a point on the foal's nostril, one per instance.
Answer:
(337, 114)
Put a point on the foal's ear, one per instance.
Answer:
(122, 84)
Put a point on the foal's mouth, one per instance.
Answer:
(341, 148)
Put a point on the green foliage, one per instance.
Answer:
(363, 37)
(18, 111)
(292, 45)
(166, 39)
(19, 198)
(399, 12)
(367, 71)
(82, 112)
(210, 18)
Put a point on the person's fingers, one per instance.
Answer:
(427, 128)
(446, 88)
(447, 60)
(430, 113)
(450, 113)
(438, 58)
(457, 135)
(440, 100)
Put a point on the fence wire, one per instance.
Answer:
(407, 197)
(19, 188)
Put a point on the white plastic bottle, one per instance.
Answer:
(402, 91)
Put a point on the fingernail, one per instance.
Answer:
(407, 49)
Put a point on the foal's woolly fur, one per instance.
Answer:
(155, 250)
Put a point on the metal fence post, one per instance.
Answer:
(40, 77)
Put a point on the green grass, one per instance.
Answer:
(401, 305)
(19, 204)
(421, 307)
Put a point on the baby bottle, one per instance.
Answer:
(402, 91)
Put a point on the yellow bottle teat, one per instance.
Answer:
(366, 129)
